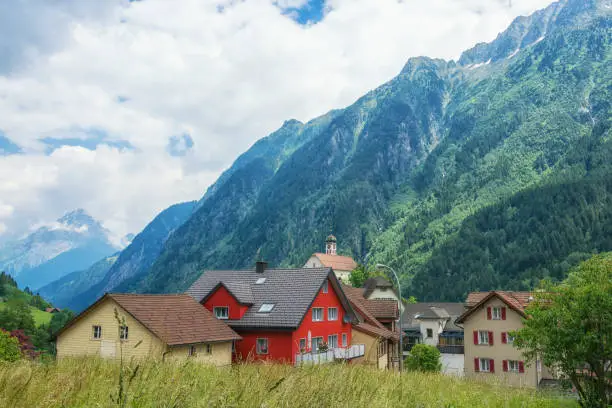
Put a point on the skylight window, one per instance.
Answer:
(266, 308)
(260, 281)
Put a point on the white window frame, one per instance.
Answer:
(266, 308)
(261, 343)
(94, 332)
(124, 333)
(316, 340)
(484, 342)
(329, 315)
(329, 341)
(192, 351)
(302, 345)
(482, 362)
(344, 340)
(319, 310)
(427, 333)
(513, 366)
(326, 286)
(509, 338)
(220, 316)
(496, 313)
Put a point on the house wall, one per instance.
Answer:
(279, 346)
(453, 364)
(383, 293)
(498, 351)
(370, 356)
(222, 297)
(221, 353)
(436, 326)
(326, 327)
(77, 340)
(342, 275)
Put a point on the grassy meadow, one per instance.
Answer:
(93, 382)
(40, 317)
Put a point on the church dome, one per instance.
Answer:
(330, 238)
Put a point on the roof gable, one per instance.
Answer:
(337, 262)
(240, 291)
(292, 291)
(516, 301)
(174, 319)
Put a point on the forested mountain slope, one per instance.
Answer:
(455, 173)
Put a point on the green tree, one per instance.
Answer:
(17, 315)
(423, 357)
(9, 347)
(570, 329)
(59, 320)
(359, 275)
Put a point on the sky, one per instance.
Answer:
(124, 108)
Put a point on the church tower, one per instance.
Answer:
(330, 245)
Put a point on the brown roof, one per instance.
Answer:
(355, 296)
(339, 262)
(383, 308)
(517, 301)
(376, 331)
(175, 319)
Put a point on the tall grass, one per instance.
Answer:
(92, 382)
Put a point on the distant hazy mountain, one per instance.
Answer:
(74, 242)
(79, 289)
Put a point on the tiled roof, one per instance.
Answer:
(383, 308)
(175, 319)
(432, 310)
(337, 262)
(292, 292)
(355, 296)
(376, 331)
(517, 301)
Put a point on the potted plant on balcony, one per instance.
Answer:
(323, 347)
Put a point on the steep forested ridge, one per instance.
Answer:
(490, 172)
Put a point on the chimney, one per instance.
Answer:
(260, 266)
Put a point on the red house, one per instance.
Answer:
(285, 315)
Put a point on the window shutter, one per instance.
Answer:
(503, 313)
(521, 367)
(476, 365)
(488, 313)
(504, 338)
(505, 365)
(490, 338)
(475, 337)
(492, 365)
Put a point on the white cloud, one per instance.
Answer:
(150, 70)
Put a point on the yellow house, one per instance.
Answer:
(489, 352)
(147, 326)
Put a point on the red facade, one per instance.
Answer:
(223, 298)
(283, 345)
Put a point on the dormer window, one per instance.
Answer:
(266, 308)
(260, 281)
(222, 312)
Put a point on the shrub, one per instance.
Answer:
(9, 347)
(423, 357)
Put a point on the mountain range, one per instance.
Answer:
(72, 242)
(490, 172)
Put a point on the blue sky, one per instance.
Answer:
(311, 12)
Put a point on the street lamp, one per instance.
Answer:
(399, 288)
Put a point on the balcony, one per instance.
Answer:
(451, 349)
(331, 355)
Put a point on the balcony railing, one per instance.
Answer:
(451, 349)
(331, 355)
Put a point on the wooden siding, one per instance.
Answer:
(221, 353)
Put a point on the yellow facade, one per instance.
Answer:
(78, 340)
(371, 356)
(498, 351)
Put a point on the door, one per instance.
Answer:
(108, 349)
